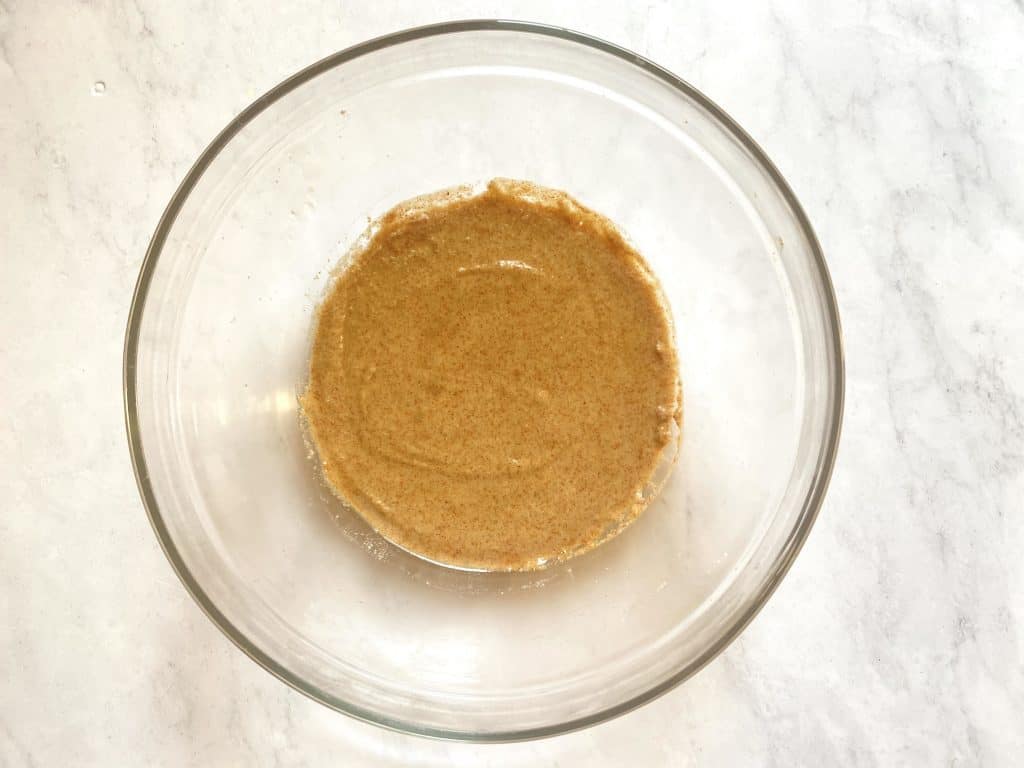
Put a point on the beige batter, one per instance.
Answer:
(493, 379)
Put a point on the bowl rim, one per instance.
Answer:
(791, 547)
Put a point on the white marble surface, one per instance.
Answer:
(898, 637)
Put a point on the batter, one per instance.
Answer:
(493, 378)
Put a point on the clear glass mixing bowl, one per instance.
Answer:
(217, 346)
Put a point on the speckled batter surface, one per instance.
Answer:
(493, 379)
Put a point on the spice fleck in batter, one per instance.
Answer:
(493, 379)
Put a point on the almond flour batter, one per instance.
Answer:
(493, 379)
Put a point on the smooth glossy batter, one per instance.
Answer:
(493, 379)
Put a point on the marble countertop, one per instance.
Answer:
(897, 638)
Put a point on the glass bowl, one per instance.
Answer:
(217, 348)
